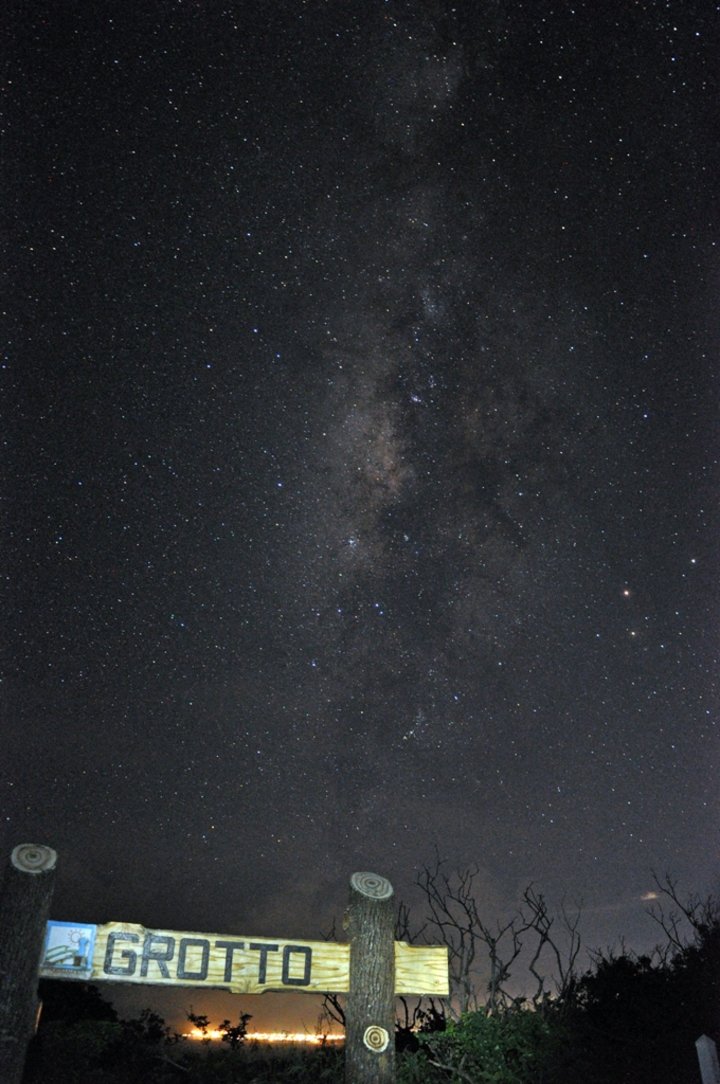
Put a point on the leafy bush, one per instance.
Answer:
(515, 1046)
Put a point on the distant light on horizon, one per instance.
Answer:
(214, 1035)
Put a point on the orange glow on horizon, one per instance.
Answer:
(269, 1037)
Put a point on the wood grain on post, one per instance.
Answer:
(25, 900)
(370, 1013)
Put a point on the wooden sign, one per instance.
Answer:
(126, 952)
(380, 968)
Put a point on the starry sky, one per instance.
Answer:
(361, 443)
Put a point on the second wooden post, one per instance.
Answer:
(24, 909)
(370, 1015)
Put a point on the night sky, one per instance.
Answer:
(361, 444)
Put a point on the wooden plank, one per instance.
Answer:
(421, 969)
(244, 965)
(129, 953)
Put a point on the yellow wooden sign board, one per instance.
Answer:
(126, 952)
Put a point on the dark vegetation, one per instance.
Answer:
(627, 1019)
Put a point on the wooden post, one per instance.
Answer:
(24, 909)
(707, 1056)
(370, 1013)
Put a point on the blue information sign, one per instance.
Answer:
(68, 950)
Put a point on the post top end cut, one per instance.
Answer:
(33, 858)
(372, 885)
